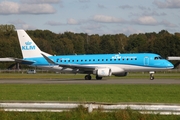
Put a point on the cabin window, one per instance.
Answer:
(93, 59)
(68, 60)
(72, 60)
(110, 59)
(57, 60)
(106, 59)
(77, 60)
(81, 60)
(89, 59)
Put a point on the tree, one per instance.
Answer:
(93, 44)
(137, 43)
(120, 41)
(6, 30)
(107, 44)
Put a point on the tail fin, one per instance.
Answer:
(28, 48)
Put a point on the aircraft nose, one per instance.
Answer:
(170, 65)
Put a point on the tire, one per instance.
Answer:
(87, 77)
(98, 78)
(151, 77)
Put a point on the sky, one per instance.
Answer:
(93, 16)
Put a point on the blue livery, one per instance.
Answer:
(101, 65)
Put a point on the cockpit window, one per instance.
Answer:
(155, 58)
(158, 58)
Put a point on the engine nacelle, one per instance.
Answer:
(121, 74)
(102, 72)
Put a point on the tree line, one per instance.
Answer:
(163, 43)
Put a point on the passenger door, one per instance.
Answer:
(146, 61)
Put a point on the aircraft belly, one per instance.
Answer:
(134, 68)
(116, 68)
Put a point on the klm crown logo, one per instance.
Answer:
(28, 43)
(28, 46)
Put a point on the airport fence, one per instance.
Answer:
(164, 109)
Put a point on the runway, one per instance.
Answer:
(81, 81)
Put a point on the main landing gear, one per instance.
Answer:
(151, 75)
(88, 77)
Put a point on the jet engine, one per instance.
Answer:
(121, 74)
(102, 72)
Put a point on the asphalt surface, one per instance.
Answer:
(81, 81)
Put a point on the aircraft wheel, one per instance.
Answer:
(98, 78)
(151, 77)
(87, 77)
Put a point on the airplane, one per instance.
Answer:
(100, 65)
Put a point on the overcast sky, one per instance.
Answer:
(92, 16)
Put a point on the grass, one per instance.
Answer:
(111, 93)
(138, 75)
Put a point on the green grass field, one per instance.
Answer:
(111, 93)
(108, 93)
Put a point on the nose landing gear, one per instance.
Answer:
(151, 75)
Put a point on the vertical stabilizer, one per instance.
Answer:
(28, 48)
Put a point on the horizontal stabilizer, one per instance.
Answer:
(24, 61)
(10, 59)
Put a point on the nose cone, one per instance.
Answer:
(169, 65)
